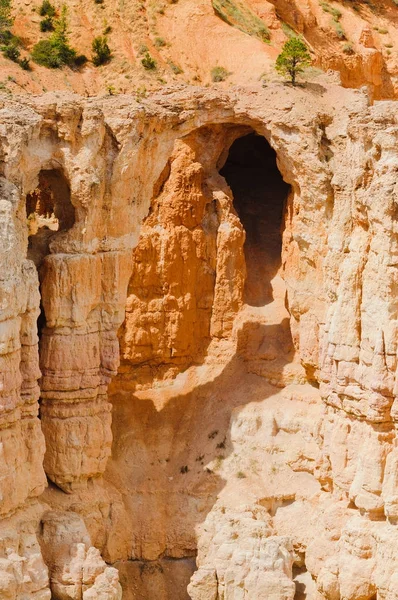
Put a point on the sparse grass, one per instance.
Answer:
(335, 12)
(339, 30)
(177, 70)
(288, 31)
(336, 16)
(219, 74)
(218, 462)
(239, 15)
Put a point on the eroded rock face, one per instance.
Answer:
(252, 417)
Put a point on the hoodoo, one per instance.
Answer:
(198, 301)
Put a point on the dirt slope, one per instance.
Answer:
(187, 38)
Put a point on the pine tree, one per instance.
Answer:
(56, 51)
(101, 51)
(60, 41)
(293, 59)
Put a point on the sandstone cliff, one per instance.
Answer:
(200, 287)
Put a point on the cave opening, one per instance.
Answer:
(260, 195)
(49, 211)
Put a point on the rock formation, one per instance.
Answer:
(200, 288)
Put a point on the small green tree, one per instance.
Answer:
(148, 62)
(101, 51)
(55, 51)
(60, 39)
(293, 59)
(47, 9)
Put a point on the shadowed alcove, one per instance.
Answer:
(49, 210)
(259, 199)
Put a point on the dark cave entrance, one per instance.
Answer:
(259, 199)
(49, 210)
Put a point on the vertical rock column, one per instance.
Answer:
(21, 440)
(83, 298)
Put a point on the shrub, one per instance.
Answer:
(56, 51)
(47, 24)
(25, 64)
(159, 42)
(47, 9)
(148, 62)
(12, 52)
(293, 59)
(240, 16)
(177, 70)
(80, 60)
(44, 53)
(101, 51)
(6, 19)
(219, 74)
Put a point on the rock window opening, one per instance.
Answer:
(259, 199)
(48, 209)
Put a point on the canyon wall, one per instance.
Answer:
(213, 342)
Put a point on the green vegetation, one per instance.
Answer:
(159, 42)
(10, 44)
(47, 9)
(46, 24)
(240, 475)
(25, 64)
(288, 31)
(148, 62)
(12, 52)
(56, 51)
(336, 16)
(177, 70)
(219, 74)
(5, 19)
(335, 12)
(101, 51)
(239, 15)
(293, 59)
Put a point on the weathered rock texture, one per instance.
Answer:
(249, 343)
